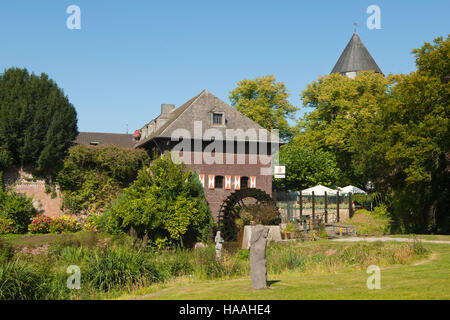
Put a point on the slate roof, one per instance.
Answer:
(120, 140)
(355, 57)
(200, 108)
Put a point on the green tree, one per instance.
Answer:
(265, 101)
(306, 168)
(394, 131)
(344, 110)
(37, 121)
(166, 202)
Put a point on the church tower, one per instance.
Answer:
(354, 58)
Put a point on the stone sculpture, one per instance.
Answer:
(219, 241)
(258, 268)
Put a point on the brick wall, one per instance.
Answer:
(216, 196)
(21, 181)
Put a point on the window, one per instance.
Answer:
(244, 182)
(218, 182)
(218, 118)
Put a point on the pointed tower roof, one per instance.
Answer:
(355, 57)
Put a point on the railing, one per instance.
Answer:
(339, 230)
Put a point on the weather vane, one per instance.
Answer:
(355, 25)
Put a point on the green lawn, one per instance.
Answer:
(428, 279)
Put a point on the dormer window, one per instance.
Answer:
(218, 118)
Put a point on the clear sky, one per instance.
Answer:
(131, 56)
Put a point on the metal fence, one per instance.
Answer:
(294, 206)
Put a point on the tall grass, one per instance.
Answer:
(111, 266)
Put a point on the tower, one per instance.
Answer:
(355, 58)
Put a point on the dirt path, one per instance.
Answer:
(373, 239)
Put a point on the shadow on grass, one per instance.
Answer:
(271, 282)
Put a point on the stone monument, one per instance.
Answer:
(219, 241)
(258, 268)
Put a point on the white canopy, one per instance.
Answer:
(352, 189)
(319, 190)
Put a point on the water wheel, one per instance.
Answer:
(236, 202)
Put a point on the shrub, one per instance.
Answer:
(64, 224)
(7, 226)
(166, 202)
(18, 208)
(40, 224)
(91, 224)
(92, 177)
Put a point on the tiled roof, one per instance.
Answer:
(199, 109)
(105, 139)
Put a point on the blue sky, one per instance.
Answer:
(131, 56)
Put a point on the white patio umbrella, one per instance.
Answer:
(319, 190)
(352, 189)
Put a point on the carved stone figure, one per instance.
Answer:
(258, 268)
(219, 241)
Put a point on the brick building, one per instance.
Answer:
(226, 149)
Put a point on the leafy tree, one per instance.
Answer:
(344, 109)
(265, 101)
(434, 60)
(306, 168)
(166, 202)
(394, 131)
(37, 121)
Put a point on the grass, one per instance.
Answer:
(368, 223)
(34, 267)
(426, 279)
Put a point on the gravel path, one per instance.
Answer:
(373, 239)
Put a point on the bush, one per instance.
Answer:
(166, 202)
(7, 226)
(43, 224)
(91, 224)
(92, 177)
(64, 224)
(40, 224)
(17, 208)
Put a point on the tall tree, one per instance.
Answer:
(344, 108)
(394, 131)
(265, 101)
(37, 122)
(306, 167)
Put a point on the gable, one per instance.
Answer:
(200, 110)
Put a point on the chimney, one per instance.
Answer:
(167, 108)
